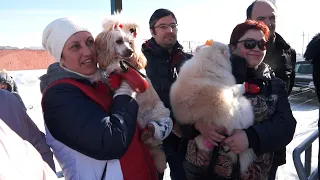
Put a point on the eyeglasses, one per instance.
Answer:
(252, 43)
(166, 26)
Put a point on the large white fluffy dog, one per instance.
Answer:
(119, 40)
(207, 91)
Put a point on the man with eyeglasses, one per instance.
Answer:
(165, 56)
(280, 56)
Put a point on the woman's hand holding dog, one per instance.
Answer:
(210, 132)
(238, 141)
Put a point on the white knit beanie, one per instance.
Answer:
(56, 34)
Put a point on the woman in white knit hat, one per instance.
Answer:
(92, 130)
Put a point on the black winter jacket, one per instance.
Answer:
(78, 122)
(163, 67)
(282, 60)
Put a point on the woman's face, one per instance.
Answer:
(252, 46)
(79, 54)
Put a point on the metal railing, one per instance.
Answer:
(306, 145)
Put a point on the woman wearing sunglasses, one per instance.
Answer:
(274, 123)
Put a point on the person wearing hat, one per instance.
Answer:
(7, 83)
(91, 129)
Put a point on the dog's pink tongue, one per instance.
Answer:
(208, 144)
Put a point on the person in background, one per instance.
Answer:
(312, 54)
(7, 83)
(15, 116)
(280, 56)
(19, 159)
(165, 56)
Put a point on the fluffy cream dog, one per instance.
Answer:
(119, 41)
(207, 91)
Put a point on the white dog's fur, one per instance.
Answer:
(206, 91)
(115, 38)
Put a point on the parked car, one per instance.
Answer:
(303, 78)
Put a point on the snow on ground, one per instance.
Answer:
(305, 110)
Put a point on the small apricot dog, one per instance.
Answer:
(119, 41)
(207, 91)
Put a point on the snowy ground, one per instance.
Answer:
(305, 109)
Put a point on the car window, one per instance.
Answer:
(304, 69)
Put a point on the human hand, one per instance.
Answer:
(125, 88)
(211, 133)
(238, 141)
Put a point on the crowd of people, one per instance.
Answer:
(93, 131)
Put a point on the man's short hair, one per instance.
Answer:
(158, 14)
(250, 8)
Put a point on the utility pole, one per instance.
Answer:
(116, 6)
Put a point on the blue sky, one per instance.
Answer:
(22, 22)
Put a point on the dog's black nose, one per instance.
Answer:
(128, 52)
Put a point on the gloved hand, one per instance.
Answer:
(125, 89)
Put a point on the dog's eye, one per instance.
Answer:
(119, 41)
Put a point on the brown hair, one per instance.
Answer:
(242, 28)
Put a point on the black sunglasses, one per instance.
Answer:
(252, 43)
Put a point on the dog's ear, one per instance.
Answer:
(133, 29)
(227, 54)
(141, 60)
(226, 51)
(104, 48)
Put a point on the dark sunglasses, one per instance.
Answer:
(252, 43)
